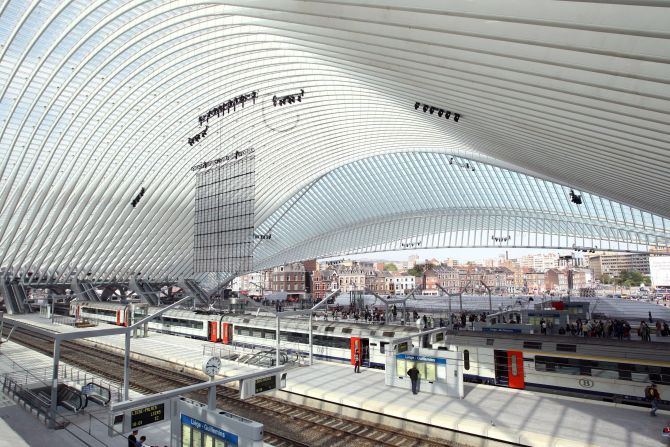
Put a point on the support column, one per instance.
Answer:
(126, 366)
(490, 302)
(311, 345)
(54, 385)
(278, 332)
(211, 396)
(460, 300)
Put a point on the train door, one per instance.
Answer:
(212, 335)
(365, 355)
(227, 333)
(509, 368)
(126, 316)
(355, 347)
(501, 367)
(77, 314)
(515, 369)
(118, 317)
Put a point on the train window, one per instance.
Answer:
(329, 329)
(466, 359)
(566, 348)
(532, 345)
(270, 335)
(382, 346)
(490, 341)
(346, 330)
(439, 336)
(315, 327)
(514, 367)
(388, 333)
(245, 320)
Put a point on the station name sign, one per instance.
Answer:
(421, 358)
(232, 156)
(147, 415)
(229, 438)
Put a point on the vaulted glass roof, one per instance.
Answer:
(99, 98)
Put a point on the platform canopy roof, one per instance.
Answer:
(99, 97)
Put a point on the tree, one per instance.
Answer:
(606, 279)
(632, 279)
(417, 270)
(390, 267)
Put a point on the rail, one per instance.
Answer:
(69, 373)
(289, 356)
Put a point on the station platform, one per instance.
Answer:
(19, 427)
(487, 413)
(184, 351)
(515, 416)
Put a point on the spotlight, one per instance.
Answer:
(451, 160)
(425, 108)
(457, 116)
(447, 114)
(432, 110)
(274, 100)
(440, 113)
(417, 105)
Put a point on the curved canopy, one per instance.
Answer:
(98, 99)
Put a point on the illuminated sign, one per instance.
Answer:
(230, 438)
(266, 384)
(147, 415)
(421, 358)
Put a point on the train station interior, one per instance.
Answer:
(154, 152)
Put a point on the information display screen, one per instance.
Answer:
(266, 384)
(401, 367)
(147, 415)
(430, 372)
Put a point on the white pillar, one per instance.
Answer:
(278, 332)
(311, 345)
(54, 385)
(126, 366)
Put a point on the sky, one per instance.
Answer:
(461, 254)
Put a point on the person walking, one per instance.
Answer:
(413, 374)
(132, 438)
(357, 362)
(652, 394)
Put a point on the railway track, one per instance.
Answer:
(286, 424)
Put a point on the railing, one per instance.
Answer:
(77, 376)
(250, 350)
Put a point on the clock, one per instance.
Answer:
(211, 366)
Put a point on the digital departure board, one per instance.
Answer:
(266, 383)
(147, 415)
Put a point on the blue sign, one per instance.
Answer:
(204, 427)
(421, 358)
(500, 329)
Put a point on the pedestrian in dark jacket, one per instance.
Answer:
(413, 374)
(357, 362)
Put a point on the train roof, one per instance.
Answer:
(348, 328)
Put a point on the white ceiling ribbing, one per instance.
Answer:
(98, 99)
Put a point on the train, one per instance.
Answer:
(609, 370)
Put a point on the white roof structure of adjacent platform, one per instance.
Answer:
(99, 98)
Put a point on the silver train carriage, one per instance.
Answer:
(584, 367)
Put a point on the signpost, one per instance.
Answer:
(147, 415)
(251, 387)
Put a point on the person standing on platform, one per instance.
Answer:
(652, 394)
(357, 362)
(413, 374)
(132, 438)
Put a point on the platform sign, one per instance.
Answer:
(251, 387)
(147, 415)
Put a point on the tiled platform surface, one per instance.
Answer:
(529, 418)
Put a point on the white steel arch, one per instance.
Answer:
(97, 100)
